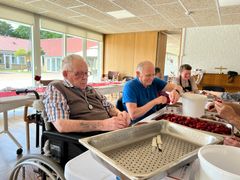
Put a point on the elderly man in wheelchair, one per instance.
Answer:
(74, 110)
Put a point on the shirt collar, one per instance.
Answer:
(140, 83)
(67, 83)
(70, 85)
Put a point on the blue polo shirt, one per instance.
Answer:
(135, 92)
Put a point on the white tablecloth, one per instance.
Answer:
(85, 167)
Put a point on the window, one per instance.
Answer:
(16, 50)
(93, 60)
(14, 60)
(21, 60)
(171, 65)
(15, 39)
(1, 59)
(52, 53)
(74, 45)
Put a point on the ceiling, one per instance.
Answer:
(150, 15)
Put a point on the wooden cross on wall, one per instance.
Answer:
(220, 69)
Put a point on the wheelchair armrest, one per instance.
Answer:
(72, 137)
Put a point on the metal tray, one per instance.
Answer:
(128, 152)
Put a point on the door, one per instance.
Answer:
(7, 62)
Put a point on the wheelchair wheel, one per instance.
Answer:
(36, 167)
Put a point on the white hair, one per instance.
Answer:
(67, 61)
(141, 65)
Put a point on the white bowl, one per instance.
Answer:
(219, 162)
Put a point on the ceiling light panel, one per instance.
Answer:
(223, 3)
(121, 14)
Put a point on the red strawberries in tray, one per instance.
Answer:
(197, 123)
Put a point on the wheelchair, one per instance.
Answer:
(61, 148)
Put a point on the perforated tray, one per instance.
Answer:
(128, 152)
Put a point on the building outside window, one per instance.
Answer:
(93, 60)
(15, 50)
(52, 53)
(1, 59)
(16, 63)
(74, 45)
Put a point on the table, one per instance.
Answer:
(109, 89)
(9, 103)
(85, 167)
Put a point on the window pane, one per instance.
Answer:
(15, 52)
(74, 45)
(51, 49)
(171, 65)
(1, 60)
(93, 60)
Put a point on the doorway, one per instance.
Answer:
(7, 62)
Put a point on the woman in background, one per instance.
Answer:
(185, 80)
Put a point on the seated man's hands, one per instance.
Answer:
(174, 96)
(116, 122)
(211, 107)
(125, 115)
(232, 141)
(161, 100)
(225, 111)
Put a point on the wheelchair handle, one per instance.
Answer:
(21, 91)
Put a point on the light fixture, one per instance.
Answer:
(121, 14)
(223, 3)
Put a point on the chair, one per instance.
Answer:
(119, 104)
(113, 75)
(127, 78)
(45, 82)
(214, 88)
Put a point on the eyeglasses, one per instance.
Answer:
(149, 75)
(81, 74)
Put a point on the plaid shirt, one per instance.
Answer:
(56, 106)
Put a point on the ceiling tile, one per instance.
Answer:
(159, 2)
(91, 12)
(67, 3)
(102, 5)
(199, 4)
(124, 22)
(231, 19)
(174, 10)
(156, 21)
(136, 7)
(140, 26)
(22, 5)
(206, 17)
(150, 14)
(87, 20)
(27, 1)
(230, 10)
(183, 22)
(48, 6)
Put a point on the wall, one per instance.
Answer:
(210, 47)
(122, 52)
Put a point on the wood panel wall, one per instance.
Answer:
(220, 80)
(161, 51)
(122, 52)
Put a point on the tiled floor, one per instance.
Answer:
(8, 156)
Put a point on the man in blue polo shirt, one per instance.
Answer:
(140, 95)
